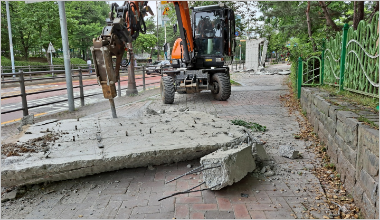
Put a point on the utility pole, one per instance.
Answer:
(66, 55)
(240, 49)
(10, 38)
(158, 54)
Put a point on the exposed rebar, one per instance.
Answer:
(188, 191)
(187, 173)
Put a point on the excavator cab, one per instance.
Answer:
(213, 31)
(207, 40)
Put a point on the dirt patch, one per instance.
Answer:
(32, 146)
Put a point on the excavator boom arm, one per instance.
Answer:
(185, 29)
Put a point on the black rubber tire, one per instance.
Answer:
(167, 89)
(224, 85)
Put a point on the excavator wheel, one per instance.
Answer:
(167, 90)
(221, 86)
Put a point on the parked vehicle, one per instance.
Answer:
(157, 66)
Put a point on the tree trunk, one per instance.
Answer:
(327, 16)
(309, 25)
(358, 13)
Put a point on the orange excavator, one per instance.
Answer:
(123, 26)
(206, 42)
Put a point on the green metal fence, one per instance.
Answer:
(350, 61)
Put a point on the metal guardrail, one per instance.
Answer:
(79, 73)
(55, 74)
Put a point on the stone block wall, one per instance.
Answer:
(352, 146)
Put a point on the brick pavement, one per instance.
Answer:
(134, 193)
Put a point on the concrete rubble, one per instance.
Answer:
(288, 151)
(231, 165)
(151, 140)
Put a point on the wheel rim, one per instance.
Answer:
(216, 87)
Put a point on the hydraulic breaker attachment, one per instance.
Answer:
(105, 73)
(116, 38)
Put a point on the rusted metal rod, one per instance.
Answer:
(187, 173)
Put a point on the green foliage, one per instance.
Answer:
(233, 82)
(330, 166)
(56, 61)
(367, 121)
(75, 61)
(145, 42)
(251, 125)
(36, 25)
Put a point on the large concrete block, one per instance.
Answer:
(347, 151)
(371, 163)
(347, 128)
(315, 112)
(369, 208)
(333, 110)
(357, 193)
(330, 125)
(368, 138)
(369, 185)
(342, 115)
(332, 148)
(322, 105)
(234, 164)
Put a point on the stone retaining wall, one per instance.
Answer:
(352, 146)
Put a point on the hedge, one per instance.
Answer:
(56, 61)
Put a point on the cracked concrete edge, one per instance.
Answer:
(75, 169)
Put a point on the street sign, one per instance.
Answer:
(165, 12)
(51, 48)
(236, 33)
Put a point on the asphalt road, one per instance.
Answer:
(48, 97)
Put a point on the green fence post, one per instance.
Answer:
(322, 62)
(299, 78)
(343, 57)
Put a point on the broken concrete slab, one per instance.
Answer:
(150, 141)
(288, 151)
(230, 166)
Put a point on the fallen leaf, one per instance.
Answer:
(317, 198)
(325, 217)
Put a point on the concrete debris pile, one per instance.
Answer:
(288, 151)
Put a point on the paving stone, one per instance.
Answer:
(241, 211)
(218, 215)
(197, 207)
(224, 204)
(257, 214)
(181, 211)
(197, 215)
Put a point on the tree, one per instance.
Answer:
(329, 20)
(85, 21)
(145, 42)
(358, 13)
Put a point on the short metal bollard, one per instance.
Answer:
(144, 78)
(81, 93)
(23, 94)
